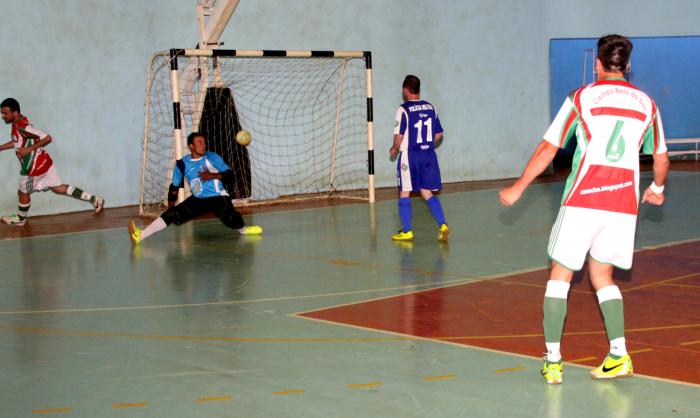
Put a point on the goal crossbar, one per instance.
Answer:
(179, 127)
(246, 53)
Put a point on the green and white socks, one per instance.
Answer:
(23, 211)
(80, 194)
(610, 300)
(555, 299)
(554, 308)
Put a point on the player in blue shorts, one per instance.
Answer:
(204, 172)
(417, 132)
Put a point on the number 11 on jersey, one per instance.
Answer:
(419, 131)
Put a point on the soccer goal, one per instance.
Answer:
(309, 114)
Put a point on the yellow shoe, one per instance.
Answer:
(443, 233)
(403, 236)
(553, 372)
(134, 233)
(613, 367)
(252, 230)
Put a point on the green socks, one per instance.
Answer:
(554, 307)
(610, 300)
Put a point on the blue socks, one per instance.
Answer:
(405, 213)
(436, 210)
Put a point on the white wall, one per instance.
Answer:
(475, 59)
(592, 18)
(78, 69)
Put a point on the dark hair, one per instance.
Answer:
(11, 103)
(412, 83)
(193, 135)
(614, 52)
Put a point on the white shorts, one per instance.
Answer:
(609, 236)
(41, 183)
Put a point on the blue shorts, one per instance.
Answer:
(417, 170)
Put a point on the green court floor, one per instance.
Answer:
(198, 322)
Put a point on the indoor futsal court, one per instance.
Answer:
(327, 313)
(341, 322)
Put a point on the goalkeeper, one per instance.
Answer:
(204, 171)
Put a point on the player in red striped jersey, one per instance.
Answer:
(37, 171)
(611, 120)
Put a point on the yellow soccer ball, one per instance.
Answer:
(243, 137)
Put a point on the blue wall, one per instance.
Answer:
(667, 68)
(78, 67)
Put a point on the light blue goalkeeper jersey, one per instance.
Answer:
(189, 169)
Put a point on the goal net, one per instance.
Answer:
(309, 114)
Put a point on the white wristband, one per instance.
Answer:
(656, 189)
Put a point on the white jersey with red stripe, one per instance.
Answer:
(24, 135)
(612, 119)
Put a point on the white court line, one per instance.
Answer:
(410, 336)
(475, 347)
(422, 287)
(281, 298)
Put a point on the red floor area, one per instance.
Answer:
(662, 313)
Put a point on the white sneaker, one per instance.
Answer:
(14, 220)
(99, 205)
(240, 202)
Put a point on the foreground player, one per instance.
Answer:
(612, 119)
(204, 172)
(37, 172)
(417, 132)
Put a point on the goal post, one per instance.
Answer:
(309, 114)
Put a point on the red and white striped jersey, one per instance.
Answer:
(612, 120)
(24, 135)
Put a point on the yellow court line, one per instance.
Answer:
(48, 410)
(500, 337)
(364, 385)
(214, 398)
(691, 342)
(68, 333)
(435, 378)
(660, 282)
(290, 392)
(581, 360)
(641, 350)
(663, 328)
(130, 405)
(691, 286)
(510, 369)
